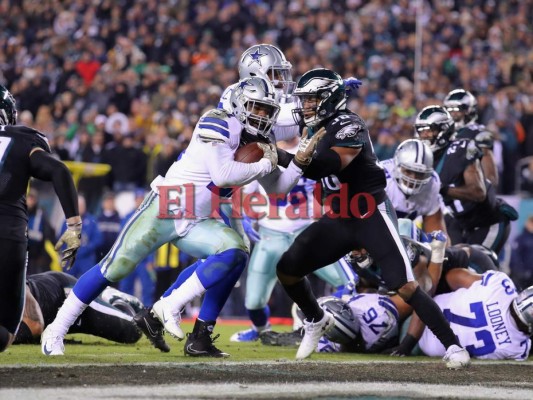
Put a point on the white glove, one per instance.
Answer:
(270, 153)
(438, 246)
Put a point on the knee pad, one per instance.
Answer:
(5, 338)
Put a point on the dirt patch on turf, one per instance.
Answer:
(486, 374)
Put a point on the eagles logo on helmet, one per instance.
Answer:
(435, 127)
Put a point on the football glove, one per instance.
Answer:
(352, 84)
(270, 153)
(72, 239)
(307, 147)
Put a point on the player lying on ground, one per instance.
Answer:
(109, 316)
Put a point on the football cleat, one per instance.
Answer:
(313, 332)
(202, 346)
(271, 338)
(456, 357)
(249, 335)
(152, 329)
(52, 343)
(170, 320)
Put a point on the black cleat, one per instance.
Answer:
(152, 328)
(271, 338)
(202, 346)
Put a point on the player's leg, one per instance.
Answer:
(321, 243)
(224, 257)
(379, 235)
(104, 320)
(12, 289)
(143, 233)
(260, 281)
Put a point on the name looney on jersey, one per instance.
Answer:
(494, 312)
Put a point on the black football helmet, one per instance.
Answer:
(462, 106)
(321, 93)
(435, 127)
(8, 107)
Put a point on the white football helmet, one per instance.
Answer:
(268, 62)
(413, 166)
(255, 105)
(523, 306)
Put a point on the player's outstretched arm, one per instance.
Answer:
(44, 166)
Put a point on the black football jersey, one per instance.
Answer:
(364, 174)
(48, 288)
(450, 163)
(484, 139)
(16, 143)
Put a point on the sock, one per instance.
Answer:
(90, 285)
(302, 294)
(68, 314)
(187, 291)
(216, 296)
(202, 327)
(260, 318)
(431, 315)
(217, 266)
(182, 277)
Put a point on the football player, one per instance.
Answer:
(359, 215)
(108, 316)
(492, 320)
(275, 236)
(25, 153)
(462, 106)
(477, 215)
(413, 186)
(207, 168)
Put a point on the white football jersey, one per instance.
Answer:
(426, 202)
(288, 213)
(191, 171)
(285, 127)
(480, 317)
(378, 319)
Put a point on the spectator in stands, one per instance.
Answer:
(109, 224)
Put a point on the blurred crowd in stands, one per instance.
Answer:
(123, 82)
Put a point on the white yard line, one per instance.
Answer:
(269, 391)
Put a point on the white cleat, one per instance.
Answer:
(52, 343)
(456, 357)
(313, 332)
(170, 320)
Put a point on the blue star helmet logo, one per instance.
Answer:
(256, 57)
(243, 84)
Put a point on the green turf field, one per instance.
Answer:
(97, 350)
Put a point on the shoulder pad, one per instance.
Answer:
(214, 126)
(36, 138)
(348, 130)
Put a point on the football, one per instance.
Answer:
(249, 153)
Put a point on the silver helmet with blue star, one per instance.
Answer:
(268, 62)
(255, 105)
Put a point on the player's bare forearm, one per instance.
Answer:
(33, 316)
(471, 193)
(488, 164)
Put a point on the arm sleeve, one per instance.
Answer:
(324, 163)
(279, 182)
(284, 157)
(225, 171)
(44, 166)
